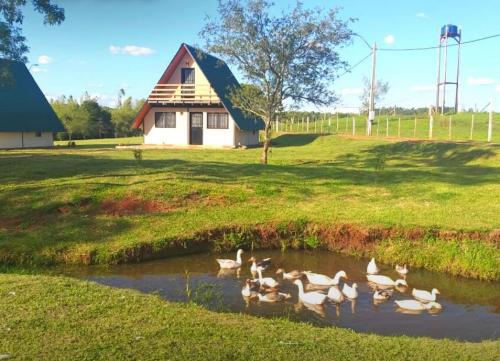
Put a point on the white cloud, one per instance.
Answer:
(351, 91)
(124, 86)
(480, 81)
(422, 88)
(497, 88)
(131, 50)
(37, 69)
(422, 15)
(389, 39)
(44, 59)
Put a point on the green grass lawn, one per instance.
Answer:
(56, 318)
(101, 143)
(60, 204)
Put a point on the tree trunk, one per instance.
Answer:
(267, 142)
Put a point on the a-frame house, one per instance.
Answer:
(190, 105)
(26, 118)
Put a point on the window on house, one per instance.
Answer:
(217, 121)
(165, 120)
(38, 134)
(187, 75)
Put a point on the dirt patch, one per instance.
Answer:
(197, 198)
(10, 224)
(132, 205)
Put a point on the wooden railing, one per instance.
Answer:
(183, 93)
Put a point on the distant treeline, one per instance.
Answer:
(384, 111)
(86, 119)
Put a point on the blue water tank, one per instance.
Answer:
(450, 31)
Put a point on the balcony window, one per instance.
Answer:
(38, 134)
(217, 121)
(165, 120)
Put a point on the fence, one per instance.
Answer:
(458, 127)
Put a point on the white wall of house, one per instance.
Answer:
(219, 137)
(179, 135)
(172, 136)
(9, 140)
(246, 138)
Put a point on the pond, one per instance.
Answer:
(471, 309)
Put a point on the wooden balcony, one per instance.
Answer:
(178, 94)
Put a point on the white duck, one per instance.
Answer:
(425, 296)
(229, 263)
(385, 281)
(274, 297)
(335, 295)
(381, 295)
(402, 270)
(372, 268)
(322, 280)
(292, 275)
(264, 264)
(266, 281)
(413, 305)
(350, 292)
(247, 290)
(311, 298)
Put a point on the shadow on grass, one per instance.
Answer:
(391, 163)
(294, 140)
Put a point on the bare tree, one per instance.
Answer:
(381, 89)
(288, 57)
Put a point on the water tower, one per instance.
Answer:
(448, 33)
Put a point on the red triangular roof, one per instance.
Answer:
(166, 75)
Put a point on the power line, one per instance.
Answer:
(354, 66)
(364, 40)
(436, 47)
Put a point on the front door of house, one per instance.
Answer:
(196, 128)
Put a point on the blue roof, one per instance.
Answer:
(23, 107)
(222, 80)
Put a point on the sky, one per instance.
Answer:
(105, 45)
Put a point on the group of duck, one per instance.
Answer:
(321, 288)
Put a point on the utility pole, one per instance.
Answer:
(438, 75)
(458, 73)
(371, 108)
(490, 121)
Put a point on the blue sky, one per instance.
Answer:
(105, 45)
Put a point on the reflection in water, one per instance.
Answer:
(471, 308)
(317, 309)
(229, 272)
(408, 312)
(337, 310)
(353, 306)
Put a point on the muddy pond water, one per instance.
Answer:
(471, 309)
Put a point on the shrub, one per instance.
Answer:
(137, 155)
(312, 242)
